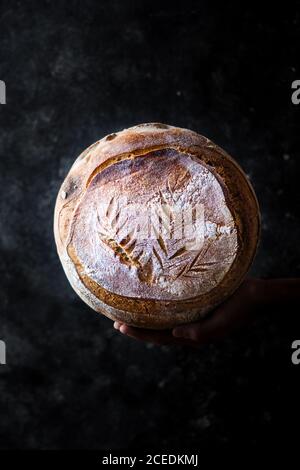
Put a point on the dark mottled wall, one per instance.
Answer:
(74, 72)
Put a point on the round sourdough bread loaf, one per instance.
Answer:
(155, 226)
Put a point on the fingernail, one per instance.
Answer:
(123, 329)
(116, 325)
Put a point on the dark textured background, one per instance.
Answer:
(76, 71)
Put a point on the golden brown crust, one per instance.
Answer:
(152, 141)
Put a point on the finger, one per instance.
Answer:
(117, 325)
(160, 338)
(203, 331)
(152, 336)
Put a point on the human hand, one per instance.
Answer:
(238, 310)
